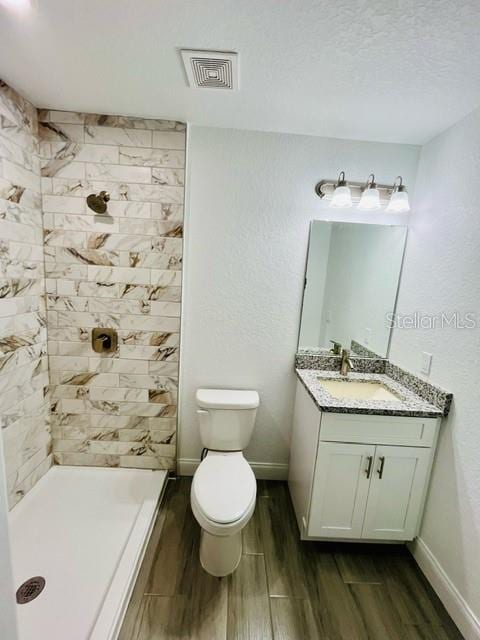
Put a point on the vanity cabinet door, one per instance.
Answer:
(340, 490)
(397, 489)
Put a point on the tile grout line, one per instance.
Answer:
(262, 534)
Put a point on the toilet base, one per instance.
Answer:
(220, 555)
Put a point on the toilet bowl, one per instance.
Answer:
(223, 497)
(224, 488)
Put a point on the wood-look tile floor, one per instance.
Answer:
(283, 589)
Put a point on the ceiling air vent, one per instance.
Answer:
(211, 69)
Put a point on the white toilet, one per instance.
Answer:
(224, 488)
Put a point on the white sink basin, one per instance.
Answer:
(362, 390)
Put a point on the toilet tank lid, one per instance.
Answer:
(227, 399)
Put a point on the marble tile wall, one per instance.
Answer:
(24, 406)
(122, 270)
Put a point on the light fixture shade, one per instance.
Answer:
(20, 6)
(399, 202)
(399, 199)
(342, 198)
(370, 199)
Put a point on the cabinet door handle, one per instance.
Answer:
(369, 466)
(380, 468)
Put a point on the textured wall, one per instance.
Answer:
(23, 335)
(251, 201)
(441, 274)
(123, 271)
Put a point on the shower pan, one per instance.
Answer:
(83, 531)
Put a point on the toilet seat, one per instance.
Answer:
(223, 493)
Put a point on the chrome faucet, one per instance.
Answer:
(346, 364)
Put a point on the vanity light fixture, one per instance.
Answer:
(370, 198)
(399, 202)
(342, 196)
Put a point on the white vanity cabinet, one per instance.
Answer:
(360, 477)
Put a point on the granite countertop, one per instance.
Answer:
(410, 403)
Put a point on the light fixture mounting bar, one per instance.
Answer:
(325, 189)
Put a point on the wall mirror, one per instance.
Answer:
(351, 283)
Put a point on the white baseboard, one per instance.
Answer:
(262, 470)
(270, 470)
(452, 600)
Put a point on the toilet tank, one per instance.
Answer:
(227, 417)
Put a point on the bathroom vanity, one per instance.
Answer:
(364, 430)
(359, 468)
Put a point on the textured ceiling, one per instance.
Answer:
(389, 70)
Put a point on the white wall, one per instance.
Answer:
(251, 201)
(442, 274)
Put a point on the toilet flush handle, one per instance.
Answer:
(202, 416)
(203, 421)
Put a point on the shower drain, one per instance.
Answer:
(30, 589)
